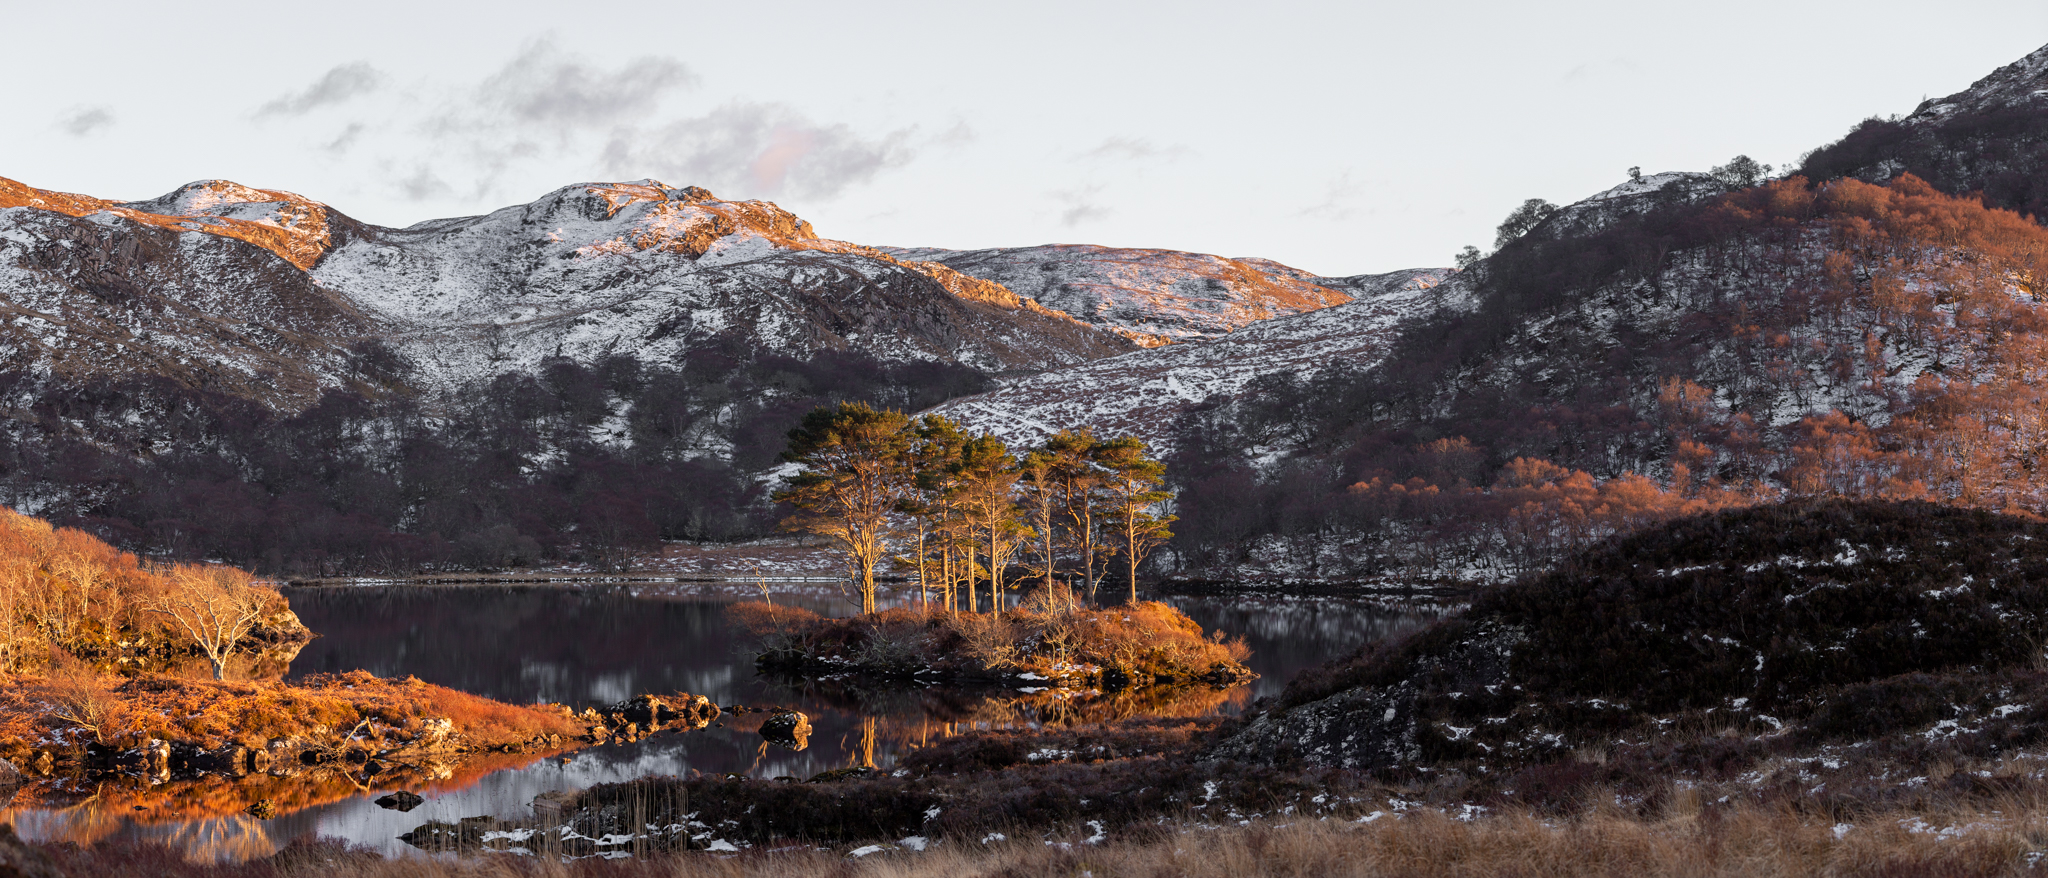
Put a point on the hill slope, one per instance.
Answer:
(1152, 296)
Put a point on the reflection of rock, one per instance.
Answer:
(653, 710)
(788, 729)
(19, 860)
(402, 800)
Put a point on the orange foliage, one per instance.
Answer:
(65, 587)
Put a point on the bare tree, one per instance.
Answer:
(83, 698)
(217, 607)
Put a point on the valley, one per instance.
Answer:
(1698, 522)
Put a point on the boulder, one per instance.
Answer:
(789, 728)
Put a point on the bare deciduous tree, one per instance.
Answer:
(217, 607)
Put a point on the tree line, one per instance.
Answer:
(64, 593)
(960, 510)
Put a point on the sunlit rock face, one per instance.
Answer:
(276, 298)
(1151, 296)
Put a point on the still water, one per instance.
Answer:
(595, 646)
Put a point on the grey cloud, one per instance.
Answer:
(86, 120)
(333, 87)
(1081, 206)
(1337, 200)
(541, 87)
(347, 138)
(958, 135)
(757, 150)
(1133, 149)
(423, 184)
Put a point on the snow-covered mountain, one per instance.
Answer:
(273, 296)
(1142, 393)
(1152, 296)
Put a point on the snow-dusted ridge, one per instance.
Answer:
(283, 288)
(1142, 393)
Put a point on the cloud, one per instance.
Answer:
(1337, 200)
(757, 150)
(541, 87)
(424, 184)
(333, 87)
(85, 120)
(1134, 149)
(347, 138)
(1081, 206)
(958, 135)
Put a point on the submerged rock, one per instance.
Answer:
(790, 729)
(403, 800)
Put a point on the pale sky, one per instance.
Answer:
(1341, 138)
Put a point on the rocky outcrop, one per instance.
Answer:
(791, 729)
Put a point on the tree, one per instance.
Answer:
(1078, 482)
(1741, 172)
(851, 484)
(933, 450)
(215, 606)
(987, 478)
(1531, 214)
(1468, 258)
(1132, 483)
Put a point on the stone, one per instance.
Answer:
(790, 728)
(403, 800)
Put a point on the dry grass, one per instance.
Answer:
(1684, 841)
(212, 713)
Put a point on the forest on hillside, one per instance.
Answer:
(591, 462)
(1795, 338)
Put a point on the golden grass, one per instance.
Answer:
(212, 713)
(1684, 841)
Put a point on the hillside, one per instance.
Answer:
(1678, 344)
(1991, 138)
(1151, 296)
(1846, 641)
(273, 297)
(1145, 393)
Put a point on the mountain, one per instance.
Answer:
(1144, 393)
(272, 296)
(1154, 297)
(1679, 344)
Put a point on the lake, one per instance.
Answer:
(597, 645)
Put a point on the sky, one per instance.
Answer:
(1340, 138)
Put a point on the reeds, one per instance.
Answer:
(1685, 839)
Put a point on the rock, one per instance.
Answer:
(788, 729)
(10, 777)
(403, 800)
(262, 809)
(19, 859)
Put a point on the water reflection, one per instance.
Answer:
(597, 646)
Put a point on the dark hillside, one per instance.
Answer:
(1991, 138)
(1795, 624)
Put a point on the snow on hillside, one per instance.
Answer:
(2021, 84)
(1142, 393)
(1152, 296)
(588, 270)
